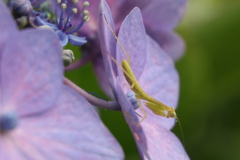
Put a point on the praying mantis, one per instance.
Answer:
(151, 103)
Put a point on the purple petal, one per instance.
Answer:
(157, 14)
(133, 122)
(133, 38)
(72, 130)
(76, 41)
(163, 144)
(123, 7)
(163, 14)
(31, 72)
(108, 42)
(62, 37)
(160, 80)
(7, 25)
(170, 42)
(40, 22)
(99, 69)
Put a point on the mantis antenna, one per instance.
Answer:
(181, 133)
(128, 57)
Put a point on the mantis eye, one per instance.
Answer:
(173, 115)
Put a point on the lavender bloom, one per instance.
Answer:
(40, 118)
(160, 17)
(63, 26)
(155, 72)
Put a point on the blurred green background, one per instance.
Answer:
(210, 84)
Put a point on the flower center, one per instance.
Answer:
(8, 121)
(63, 22)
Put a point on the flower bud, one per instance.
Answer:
(68, 57)
(21, 8)
(22, 22)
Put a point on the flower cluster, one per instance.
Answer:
(63, 27)
(44, 115)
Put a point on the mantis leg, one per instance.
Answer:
(144, 112)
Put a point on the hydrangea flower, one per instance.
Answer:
(63, 27)
(156, 74)
(160, 17)
(40, 118)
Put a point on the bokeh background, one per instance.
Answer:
(209, 104)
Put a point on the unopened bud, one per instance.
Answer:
(68, 57)
(45, 6)
(21, 8)
(22, 21)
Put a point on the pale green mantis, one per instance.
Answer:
(154, 105)
(151, 103)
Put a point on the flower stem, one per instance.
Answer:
(108, 105)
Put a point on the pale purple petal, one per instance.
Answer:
(164, 14)
(71, 130)
(133, 122)
(31, 72)
(99, 70)
(160, 80)
(124, 7)
(40, 22)
(62, 37)
(133, 38)
(7, 25)
(108, 43)
(163, 144)
(160, 18)
(170, 42)
(76, 41)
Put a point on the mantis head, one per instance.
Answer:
(172, 113)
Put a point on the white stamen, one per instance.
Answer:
(86, 18)
(74, 10)
(58, 1)
(85, 12)
(86, 3)
(75, 1)
(64, 6)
